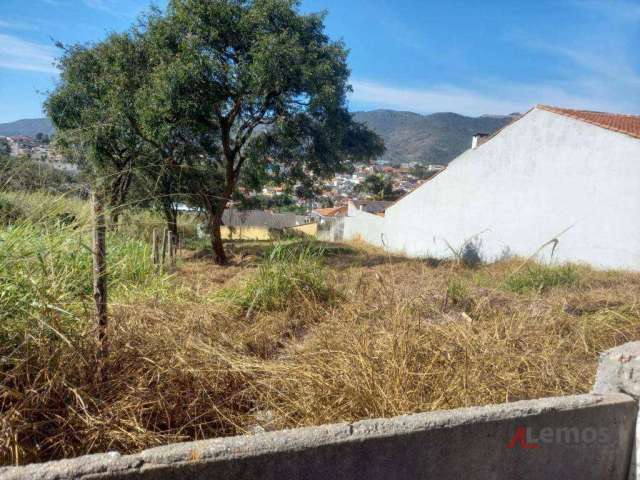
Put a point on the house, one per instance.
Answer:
(556, 183)
(259, 224)
(322, 215)
(376, 207)
(329, 222)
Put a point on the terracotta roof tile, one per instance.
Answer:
(331, 212)
(628, 124)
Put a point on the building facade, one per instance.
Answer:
(557, 184)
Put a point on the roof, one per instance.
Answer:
(628, 124)
(376, 206)
(260, 218)
(331, 212)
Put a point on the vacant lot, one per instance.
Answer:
(290, 334)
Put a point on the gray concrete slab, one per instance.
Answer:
(580, 437)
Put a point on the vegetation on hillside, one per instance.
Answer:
(27, 127)
(436, 138)
(29, 175)
(378, 187)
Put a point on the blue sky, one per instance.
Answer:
(496, 56)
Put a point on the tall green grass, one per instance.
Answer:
(291, 271)
(539, 278)
(46, 268)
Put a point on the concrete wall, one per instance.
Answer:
(619, 372)
(331, 229)
(245, 233)
(307, 228)
(545, 176)
(585, 437)
(360, 225)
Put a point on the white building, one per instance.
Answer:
(556, 183)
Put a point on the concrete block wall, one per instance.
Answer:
(619, 372)
(575, 437)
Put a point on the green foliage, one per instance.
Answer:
(5, 148)
(10, 212)
(378, 186)
(194, 97)
(30, 175)
(458, 293)
(46, 273)
(261, 89)
(421, 172)
(538, 278)
(291, 272)
(92, 111)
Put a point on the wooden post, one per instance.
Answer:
(175, 250)
(163, 248)
(100, 272)
(155, 254)
(170, 247)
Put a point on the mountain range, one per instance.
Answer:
(409, 137)
(434, 138)
(29, 127)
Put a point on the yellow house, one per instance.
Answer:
(263, 225)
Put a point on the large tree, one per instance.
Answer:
(90, 107)
(250, 81)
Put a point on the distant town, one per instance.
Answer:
(381, 180)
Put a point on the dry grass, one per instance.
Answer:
(403, 337)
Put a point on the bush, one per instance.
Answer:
(539, 278)
(291, 271)
(458, 293)
(30, 175)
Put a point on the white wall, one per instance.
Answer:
(545, 176)
(366, 226)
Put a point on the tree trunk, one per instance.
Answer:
(216, 237)
(119, 191)
(171, 217)
(100, 272)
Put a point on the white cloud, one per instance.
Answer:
(16, 25)
(593, 68)
(433, 99)
(18, 54)
(619, 10)
(125, 9)
(103, 5)
(492, 97)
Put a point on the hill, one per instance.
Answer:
(29, 127)
(435, 138)
(410, 137)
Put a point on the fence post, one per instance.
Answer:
(619, 372)
(154, 247)
(163, 247)
(100, 272)
(170, 248)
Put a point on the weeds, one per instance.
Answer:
(290, 272)
(539, 278)
(458, 293)
(182, 366)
